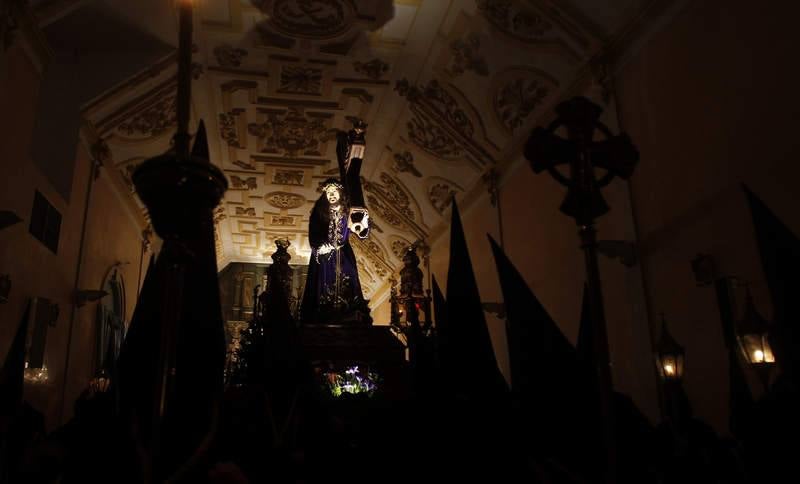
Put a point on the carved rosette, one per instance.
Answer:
(374, 69)
(309, 19)
(228, 56)
(514, 20)
(518, 93)
(441, 193)
(300, 80)
(244, 183)
(467, 56)
(288, 177)
(291, 133)
(228, 128)
(246, 211)
(399, 247)
(404, 163)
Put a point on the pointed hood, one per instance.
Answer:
(552, 388)
(200, 148)
(741, 400)
(12, 375)
(440, 315)
(538, 349)
(779, 248)
(471, 359)
(138, 358)
(584, 344)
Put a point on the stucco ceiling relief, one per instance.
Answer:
(518, 93)
(537, 24)
(467, 55)
(403, 162)
(444, 125)
(291, 132)
(441, 192)
(393, 203)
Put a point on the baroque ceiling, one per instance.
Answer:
(449, 89)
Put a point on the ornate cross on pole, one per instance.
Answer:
(584, 202)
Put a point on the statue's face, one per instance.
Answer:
(333, 195)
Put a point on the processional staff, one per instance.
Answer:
(584, 202)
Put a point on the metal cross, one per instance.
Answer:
(616, 154)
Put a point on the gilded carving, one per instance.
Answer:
(392, 192)
(440, 125)
(300, 80)
(432, 138)
(229, 56)
(313, 19)
(244, 165)
(441, 192)
(516, 101)
(248, 211)
(219, 214)
(442, 103)
(515, 21)
(399, 247)
(228, 129)
(288, 177)
(427, 134)
(385, 213)
(374, 69)
(440, 195)
(246, 183)
(291, 133)
(370, 250)
(404, 163)
(153, 120)
(467, 56)
(285, 200)
(282, 220)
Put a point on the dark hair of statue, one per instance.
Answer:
(321, 213)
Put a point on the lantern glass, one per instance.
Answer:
(670, 365)
(669, 355)
(756, 349)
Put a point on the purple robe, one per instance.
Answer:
(333, 289)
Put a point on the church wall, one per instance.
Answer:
(112, 235)
(711, 103)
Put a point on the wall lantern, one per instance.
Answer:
(669, 356)
(753, 337)
(100, 382)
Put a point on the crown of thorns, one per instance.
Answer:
(331, 183)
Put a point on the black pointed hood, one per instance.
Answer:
(473, 364)
(200, 148)
(779, 249)
(12, 375)
(584, 343)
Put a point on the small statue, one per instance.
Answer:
(411, 275)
